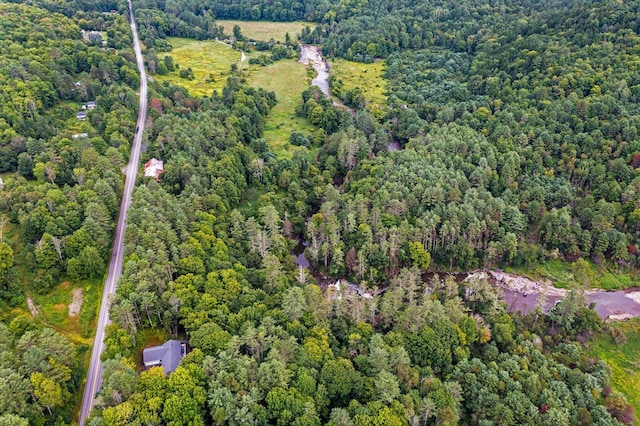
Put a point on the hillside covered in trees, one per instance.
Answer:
(60, 194)
(518, 124)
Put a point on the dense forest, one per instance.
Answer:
(518, 123)
(61, 186)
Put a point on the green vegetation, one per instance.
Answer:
(620, 349)
(563, 274)
(210, 62)
(521, 139)
(350, 80)
(59, 199)
(287, 79)
(263, 30)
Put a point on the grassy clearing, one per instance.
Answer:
(210, 61)
(54, 309)
(367, 77)
(54, 305)
(288, 79)
(623, 359)
(263, 31)
(562, 275)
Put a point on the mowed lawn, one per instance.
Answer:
(210, 61)
(623, 359)
(263, 31)
(288, 79)
(367, 77)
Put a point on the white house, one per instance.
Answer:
(153, 168)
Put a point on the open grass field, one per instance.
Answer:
(210, 61)
(54, 309)
(562, 275)
(367, 77)
(288, 79)
(623, 359)
(264, 31)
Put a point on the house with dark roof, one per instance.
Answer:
(81, 115)
(167, 355)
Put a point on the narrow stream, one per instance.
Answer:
(300, 258)
(311, 55)
(521, 294)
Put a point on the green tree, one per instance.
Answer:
(13, 420)
(341, 380)
(294, 303)
(47, 391)
(119, 381)
(6, 259)
(420, 257)
(90, 262)
(387, 386)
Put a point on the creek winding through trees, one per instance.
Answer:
(520, 293)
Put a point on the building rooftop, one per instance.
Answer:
(153, 168)
(168, 355)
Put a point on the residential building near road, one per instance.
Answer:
(167, 356)
(153, 168)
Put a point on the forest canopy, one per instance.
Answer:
(518, 128)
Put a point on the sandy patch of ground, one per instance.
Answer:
(59, 307)
(64, 285)
(32, 307)
(76, 303)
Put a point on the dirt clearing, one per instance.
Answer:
(76, 303)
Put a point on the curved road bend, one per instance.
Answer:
(94, 374)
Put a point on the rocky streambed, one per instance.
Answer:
(311, 55)
(523, 294)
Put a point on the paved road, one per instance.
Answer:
(94, 375)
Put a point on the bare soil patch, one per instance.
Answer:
(76, 303)
(32, 307)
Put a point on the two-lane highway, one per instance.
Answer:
(94, 374)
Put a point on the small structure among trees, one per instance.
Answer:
(167, 355)
(153, 168)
